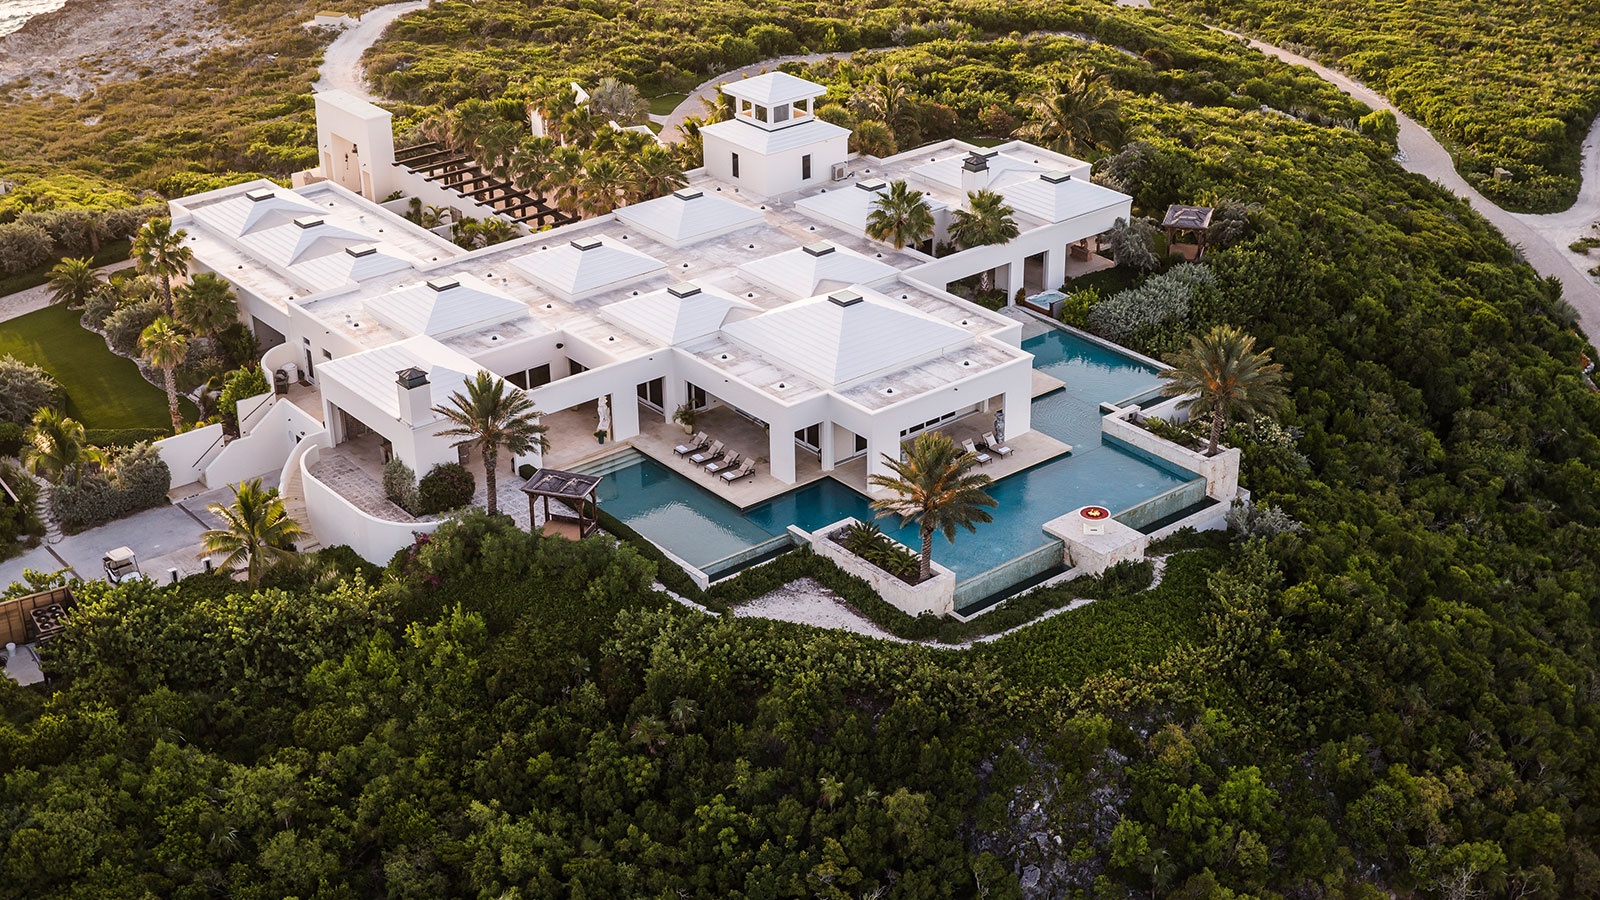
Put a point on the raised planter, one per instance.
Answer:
(936, 595)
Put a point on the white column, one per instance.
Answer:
(624, 416)
(825, 446)
(884, 439)
(1015, 270)
(1019, 410)
(1055, 267)
(780, 451)
(674, 393)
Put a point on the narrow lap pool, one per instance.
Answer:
(704, 530)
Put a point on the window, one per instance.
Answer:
(310, 368)
(780, 113)
(761, 114)
(810, 437)
(697, 396)
(805, 167)
(539, 376)
(518, 379)
(736, 165)
(650, 392)
(576, 368)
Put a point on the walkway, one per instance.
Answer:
(341, 62)
(1542, 239)
(36, 298)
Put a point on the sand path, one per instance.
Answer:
(341, 62)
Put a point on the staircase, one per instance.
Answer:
(52, 528)
(294, 503)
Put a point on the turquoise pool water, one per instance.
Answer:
(703, 529)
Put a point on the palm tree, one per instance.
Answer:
(605, 184)
(73, 281)
(900, 217)
(255, 529)
(207, 305)
(1223, 370)
(618, 102)
(54, 446)
(531, 164)
(890, 98)
(934, 487)
(566, 178)
(158, 250)
(489, 417)
(164, 346)
(656, 173)
(986, 220)
(1074, 116)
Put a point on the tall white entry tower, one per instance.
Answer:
(774, 143)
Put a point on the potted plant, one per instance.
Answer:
(685, 415)
(600, 436)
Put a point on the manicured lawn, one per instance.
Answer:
(666, 103)
(103, 389)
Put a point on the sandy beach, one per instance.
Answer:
(91, 42)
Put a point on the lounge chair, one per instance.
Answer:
(723, 464)
(693, 445)
(745, 470)
(994, 446)
(707, 455)
(970, 447)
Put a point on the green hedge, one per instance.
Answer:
(122, 437)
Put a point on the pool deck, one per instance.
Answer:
(1044, 383)
(1028, 450)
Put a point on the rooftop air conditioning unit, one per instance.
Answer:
(841, 171)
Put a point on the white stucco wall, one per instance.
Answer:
(1221, 472)
(936, 595)
(336, 521)
(188, 454)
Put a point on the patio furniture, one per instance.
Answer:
(970, 447)
(693, 445)
(707, 455)
(745, 470)
(994, 446)
(723, 464)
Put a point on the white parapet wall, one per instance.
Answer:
(936, 595)
(336, 520)
(188, 454)
(266, 448)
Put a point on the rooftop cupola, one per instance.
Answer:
(774, 100)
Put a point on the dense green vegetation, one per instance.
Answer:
(102, 390)
(1511, 85)
(1397, 697)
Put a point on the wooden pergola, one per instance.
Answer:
(575, 491)
(1195, 220)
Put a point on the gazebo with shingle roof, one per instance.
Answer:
(1195, 220)
(575, 491)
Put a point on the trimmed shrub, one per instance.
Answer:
(24, 247)
(11, 438)
(400, 485)
(447, 486)
(124, 326)
(23, 389)
(1133, 244)
(526, 470)
(136, 480)
(99, 307)
(121, 437)
(239, 384)
(20, 518)
(1161, 299)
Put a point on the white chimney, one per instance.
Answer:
(974, 173)
(416, 397)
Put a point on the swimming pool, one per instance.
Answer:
(707, 532)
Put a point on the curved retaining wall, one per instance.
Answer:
(336, 520)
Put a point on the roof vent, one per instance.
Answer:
(411, 378)
(360, 250)
(683, 289)
(872, 184)
(975, 162)
(260, 194)
(820, 248)
(588, 243)
(1056, 177)
(688, 193)
(846, 297)
(308, 221)
(443, 284)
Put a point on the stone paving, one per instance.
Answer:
(355, 484)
